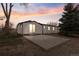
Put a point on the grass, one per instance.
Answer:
(11, 38)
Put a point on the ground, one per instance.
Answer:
(46, 41)
(28, 48)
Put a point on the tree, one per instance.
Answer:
(7, 8)
(70, 20)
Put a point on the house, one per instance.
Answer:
(33, 27)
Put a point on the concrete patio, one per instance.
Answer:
(46, 41)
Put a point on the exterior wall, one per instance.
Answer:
(19, 29)
(45, 30)
(25, 28)
(38, 28)
(56, 30)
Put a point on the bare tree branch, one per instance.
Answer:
(7, 8)
(4, 9)
(10, 9)
(11, 5)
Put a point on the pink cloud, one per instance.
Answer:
(51, 10)
(41, 11)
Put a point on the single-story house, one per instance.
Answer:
(33, 27)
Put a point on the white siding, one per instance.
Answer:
(25, 28)
(55, 29)
(47, 29)
(19, 29)
(36, 28)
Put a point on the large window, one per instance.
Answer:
(48, 28)
(31, 28)
(53, 28)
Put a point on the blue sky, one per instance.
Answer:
(36, 6)
(49, 5)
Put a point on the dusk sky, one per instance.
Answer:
(41, 12)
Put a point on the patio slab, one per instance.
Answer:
(46, 41)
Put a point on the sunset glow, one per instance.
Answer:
(32, 11)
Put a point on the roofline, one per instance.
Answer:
(35, 22)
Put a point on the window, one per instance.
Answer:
(31, 28)
(44, 27)
(53, 28)
(48, 28)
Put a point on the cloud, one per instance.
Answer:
(31, 9)
(51, 10)
(41, 11)
(21, 13)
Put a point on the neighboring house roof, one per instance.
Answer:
(37, 22)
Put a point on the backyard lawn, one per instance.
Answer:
(27, 48)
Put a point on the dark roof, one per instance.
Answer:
(35, 22)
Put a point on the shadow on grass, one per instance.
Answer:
(10, 39)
